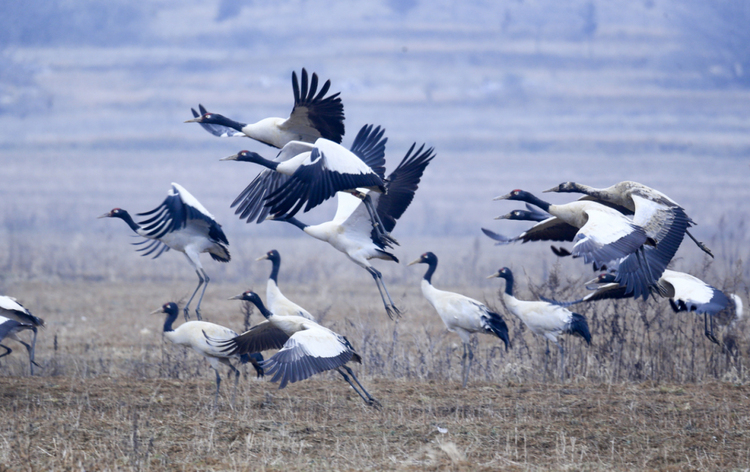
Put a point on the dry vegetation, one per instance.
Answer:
(651, 391)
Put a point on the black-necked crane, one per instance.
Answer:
(15, 318)
(543, 318)
(193, 334)
(313, 116)
(304, 174)
(685, 292)
(351, 230)
(665, 221)
(306, 348)
(277, 302)
(461, 314)
(606, 237)
(183, 224)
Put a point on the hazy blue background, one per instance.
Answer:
(512, 94)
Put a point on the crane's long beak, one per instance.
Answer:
(503, 217)
(503, 197)
(157, 311)
(106, 215)
(236, 297)
(262, 258)
(197, 119)
(415, 261)
(496, 274)
(230, 158)
(556, 188)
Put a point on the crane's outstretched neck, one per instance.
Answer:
(258, 303)
(508, 284)
(276, 261)
(171, 317)
(125, 216)
(430, 270)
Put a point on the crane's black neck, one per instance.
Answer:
(171, 317)
(508, 283)
(263, 310)
(430, 270)
(276, 261)
(125, 216)
(295, 222)
(534, 200)
(223, 120)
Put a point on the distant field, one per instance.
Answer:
(651, 391)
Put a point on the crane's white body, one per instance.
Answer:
(281, 305)
(190, 334)
(350, 231)
(542, 318)
(335, 157)
(460, 314)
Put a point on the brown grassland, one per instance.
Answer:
(651, 392)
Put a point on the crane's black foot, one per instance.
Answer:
(186, 312)
(34, 362)
(393, 311)
(374, 403)
(712, 338)
(704, 248)
(198, 314)
(387, 239)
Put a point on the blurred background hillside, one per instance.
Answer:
(512, 94)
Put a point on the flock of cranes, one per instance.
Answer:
(629, 231)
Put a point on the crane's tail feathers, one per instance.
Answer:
(737, 308)
(227, 346)
(560, 251)
(501, 240)
(579, 327)
(560, 303)
(496, 325)
(255, 359)
(220, 253)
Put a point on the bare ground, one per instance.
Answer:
(320, 424)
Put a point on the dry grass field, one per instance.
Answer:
(651, 392)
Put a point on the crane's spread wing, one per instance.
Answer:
(401, 185)
(693, 294)
(369, 145)
(216, 130)
(151, 246)
(174, 213)
(551, 229)
(250, 202)
(10, 308)
(331, 168)
(314, 114)
(261, 337)
(8, 325)
(307, 353)
(607, 236)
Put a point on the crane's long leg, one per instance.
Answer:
(236, 380)
(703, 247)
(377, 223)
(205, 286)
(32, 351)
(187, 305)
(546, 357)
(562, 362)
(32, 363)
(7, 351)
(709, 332)
(218, 384)
(464, 377)
(390, 308)
(369, 399)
